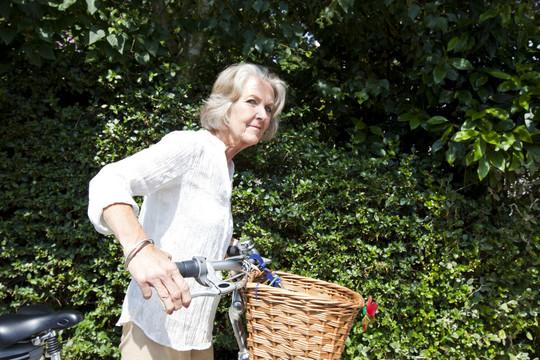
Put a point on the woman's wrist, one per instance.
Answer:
(135, 250)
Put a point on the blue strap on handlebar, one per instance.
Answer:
(259, 259)
(273, 280)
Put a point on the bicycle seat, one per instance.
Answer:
(32, 320)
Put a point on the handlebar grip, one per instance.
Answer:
(189, 268)
(233, 250)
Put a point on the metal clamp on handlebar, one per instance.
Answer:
(207, 277)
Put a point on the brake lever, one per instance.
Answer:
(209, 279)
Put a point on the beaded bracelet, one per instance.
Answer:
(134, 251)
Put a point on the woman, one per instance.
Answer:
(186, 181)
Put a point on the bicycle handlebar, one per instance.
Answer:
(204, 271)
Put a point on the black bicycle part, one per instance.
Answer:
(189, 268)
(33, 320)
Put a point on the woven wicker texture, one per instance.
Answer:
(310, 319)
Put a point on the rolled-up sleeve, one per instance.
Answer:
(106, 188)
(138, 175)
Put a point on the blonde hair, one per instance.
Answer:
(228, 88)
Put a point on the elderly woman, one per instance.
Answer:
(186, 181)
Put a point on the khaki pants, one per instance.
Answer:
(135, 345)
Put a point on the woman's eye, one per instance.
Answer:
(268, 109)
(251, 101)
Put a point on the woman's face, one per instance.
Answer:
(250, 115)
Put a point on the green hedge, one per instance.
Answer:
(454, 275)
(453, 268)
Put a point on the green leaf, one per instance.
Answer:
(46, 52)
(439, 73)
(491, 137)
(506, 14)
(362, 96)
(506, 141)
(523, 134)
(117, 41)
(515, 163)
(414, 123)
(464, 95)
(376, 130)
(260, 6)
(451, 153)
(446, 97)
(95, 34)
(469, 158)
(32, 56)
(91, 56)
(483, 168)
(92, 6)
(447, 132)
(518, 145)
(406, 117)
(7, 35)
(475, 115)
(499, 74)
(142, 58)
(479, 148)
(461, 64)
(45, 34)
(534, 153)
(413, 11)
(413, 119)
(491, 13)
(452, 43)
(465, 135)
(496, 158)
(524, 100)
(152, 47)
(437, 145)
(346, 4)
(498, 113)
(66, 4)
(437, 120)
(507, 86)
(483, 94)
(478, 79)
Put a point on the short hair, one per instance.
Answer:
(228, 88)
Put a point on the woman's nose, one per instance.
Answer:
(262, 113)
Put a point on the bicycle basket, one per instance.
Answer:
(308, 319)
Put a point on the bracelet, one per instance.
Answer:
(135, 250)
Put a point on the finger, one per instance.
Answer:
(172, 288)
(146, 291)
(179, 291)
(183, 287)
(165, 298)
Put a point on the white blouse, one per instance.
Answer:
(186, 183)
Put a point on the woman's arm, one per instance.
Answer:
(151, 267)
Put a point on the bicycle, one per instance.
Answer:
(32, 332)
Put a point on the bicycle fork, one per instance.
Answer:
(235, 311)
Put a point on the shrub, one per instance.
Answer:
(455, 274)
(453, 268)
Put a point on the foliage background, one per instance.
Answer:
(405, 168)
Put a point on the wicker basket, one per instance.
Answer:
(310, 319)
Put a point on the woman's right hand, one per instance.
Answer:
(150, 267)
(153, 267)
